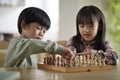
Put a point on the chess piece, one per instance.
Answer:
(65, 61)
(45, 61)
(76, 60)
(84, 60)
(58, 58)
(48, 60)
(88, 59)
(80, 60)
(91, 59)
(99, 61)
(62, 61)
(95, 61)
(103, 61)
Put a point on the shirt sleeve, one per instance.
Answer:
(19, 49)
(70, 46)
(36, 46)
(109, 53)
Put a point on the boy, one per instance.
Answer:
(32, 26)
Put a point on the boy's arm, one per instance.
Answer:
(18, 51)
(54, 48)
(69, 45)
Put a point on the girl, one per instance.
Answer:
(91, 28)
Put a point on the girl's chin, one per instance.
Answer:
(88, 40)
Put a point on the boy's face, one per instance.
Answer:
(33, 30)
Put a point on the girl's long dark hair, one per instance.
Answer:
(87, 14)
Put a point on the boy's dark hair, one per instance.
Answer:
(87, 14)
(33, 14)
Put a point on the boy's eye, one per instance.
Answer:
(39, 28)
(44, 31)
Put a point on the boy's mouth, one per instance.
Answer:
(39, 37)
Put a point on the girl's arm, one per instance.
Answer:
(109, 53)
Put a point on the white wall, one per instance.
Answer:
(8, 19)
(62, 28)
(9, 16)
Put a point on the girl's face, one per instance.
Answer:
(89, 31)
(33, 30)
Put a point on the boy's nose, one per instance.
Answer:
(40, 33)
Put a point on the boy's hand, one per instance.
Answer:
(68, 54)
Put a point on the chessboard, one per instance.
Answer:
(81, 63)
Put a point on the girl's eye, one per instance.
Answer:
(81, 26)
(91, 26)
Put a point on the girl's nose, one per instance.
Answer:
(87, 29)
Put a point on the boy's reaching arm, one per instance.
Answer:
(67, 53)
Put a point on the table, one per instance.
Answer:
(38, 74)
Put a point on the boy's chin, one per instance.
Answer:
(38, 39)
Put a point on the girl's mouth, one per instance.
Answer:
(86, 35)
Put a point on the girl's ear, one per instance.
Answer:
(23, 24)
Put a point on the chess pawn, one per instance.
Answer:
(95, 61)
(76, 60)
(103, 61)
(54, 60)
(99, 61)
(65, 62)
(74, 64)
(45, 61)
(58, 61)
(88, 59)
(48, 60)
(80, 60)
(69, 63)
(91, 59)
(84, 60)
(62, 61)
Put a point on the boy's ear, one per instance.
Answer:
(23, 24)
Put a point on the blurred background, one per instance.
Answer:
(63, 17)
